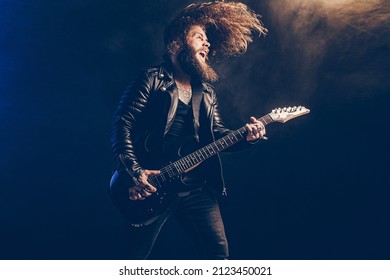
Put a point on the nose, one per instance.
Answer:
(206, 44)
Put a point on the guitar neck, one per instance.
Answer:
(185, 163)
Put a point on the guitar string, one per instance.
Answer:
(222, 142)
(170, 170)
(167, 170)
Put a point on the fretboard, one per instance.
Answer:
(180, 166)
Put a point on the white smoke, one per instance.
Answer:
(308, 27)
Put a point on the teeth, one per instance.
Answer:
(203, 54)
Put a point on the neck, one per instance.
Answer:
(180, 77)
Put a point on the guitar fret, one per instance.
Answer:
(196, 160)
(242, 131)
(151, 181)
(170, 171)
(237, 135)
(266, 119)
(203, 152)
(155, 182)
(162, 175)
(220, 143)
(177, 166)
(227, 145)
(199, 155)
(187, 164)
(190, 159)
(183, 164)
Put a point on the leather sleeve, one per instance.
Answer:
(126, 119)
(219, 128)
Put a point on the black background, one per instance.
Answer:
(317, 189)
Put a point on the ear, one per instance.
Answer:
(173, 47)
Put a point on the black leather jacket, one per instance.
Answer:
(146, 111)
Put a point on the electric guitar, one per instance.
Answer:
(141, 212)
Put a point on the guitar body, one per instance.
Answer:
(139, 211)
(142, 212)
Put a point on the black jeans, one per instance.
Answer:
(200, 216)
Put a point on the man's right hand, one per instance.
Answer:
(144, 188)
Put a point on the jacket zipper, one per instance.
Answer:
(224, 191)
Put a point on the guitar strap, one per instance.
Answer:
(197, 95)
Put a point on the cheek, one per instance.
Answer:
(195, 44)
(199, 45)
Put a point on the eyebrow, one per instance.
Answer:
(201, 34)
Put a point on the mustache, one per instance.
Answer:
(196, 67)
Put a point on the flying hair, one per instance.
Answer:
(229, 26)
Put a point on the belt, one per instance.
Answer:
(184, 194)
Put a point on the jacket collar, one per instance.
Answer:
(165, 74)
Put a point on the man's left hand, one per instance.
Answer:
(255, 129)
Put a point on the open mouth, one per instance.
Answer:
(203, 54)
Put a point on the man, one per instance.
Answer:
(172, 103)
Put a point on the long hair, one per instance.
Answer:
(229, 26)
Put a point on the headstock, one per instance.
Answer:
(287, 113)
